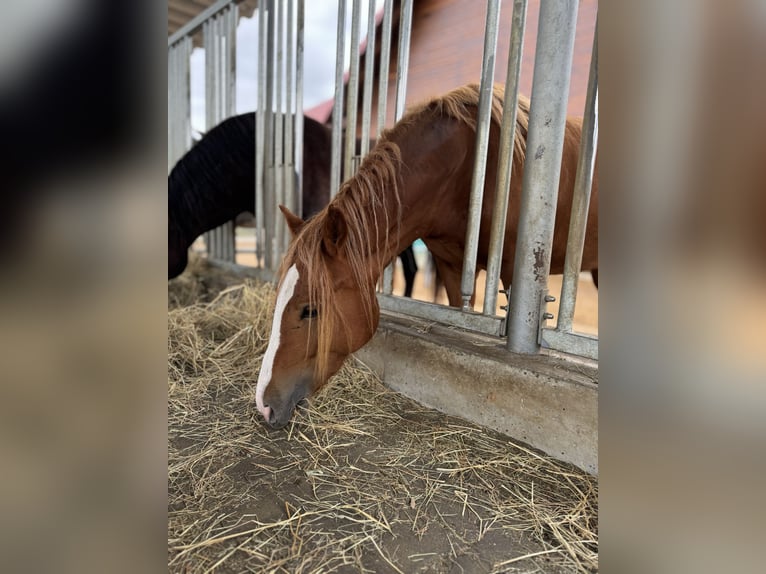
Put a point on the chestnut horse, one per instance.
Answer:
(415, 183)
(215, 181)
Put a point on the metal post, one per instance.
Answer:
(403, 60)
(581, 198)
(484, 120)
(279, 221)
(547, 119)
(369, 73)
(353, 92)
(505, 157)
(269, 207)
(385, 57)
(207, 38)
(231, 106)
(289, 170)
(299, 108)
(260, 124)
(337, 109)
(402, 65)
(171, 107)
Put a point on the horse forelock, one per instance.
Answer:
(370, 205)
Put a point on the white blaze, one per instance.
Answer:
(283, 298)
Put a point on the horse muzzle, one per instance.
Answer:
(278, 408)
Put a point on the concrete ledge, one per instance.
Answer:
(547, 401)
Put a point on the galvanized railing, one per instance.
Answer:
(279, 138)
(279, 125)
(219, 26)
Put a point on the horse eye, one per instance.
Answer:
(308, 313)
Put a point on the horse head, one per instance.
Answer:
(325, 310)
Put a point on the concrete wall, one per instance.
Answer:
(548, 402)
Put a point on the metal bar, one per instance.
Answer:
(279, 180)
(173, 83)
(547, 119)
(171, 108)
(505, 157)
(187, 92)
(218, 87)
(403, 60)
(369, 73)
(260, 124)
(385, 57)
(199, 20)
(353, 91)
(207, 39)
(484, 120)
(581, 199)
(269, 206)
(447, 315)
(337, 109)
(402, 65)
(299, 108)
(232, 106)
(289, 115)
(233, 61)
(173, 116)
(572, 343)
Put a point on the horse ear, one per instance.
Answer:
(335, 231)
(294, 222)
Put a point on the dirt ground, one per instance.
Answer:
(362, 480)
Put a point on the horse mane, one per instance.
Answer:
(462, 104)
(375, 189)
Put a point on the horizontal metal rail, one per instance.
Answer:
(442, 314)
(578, 344)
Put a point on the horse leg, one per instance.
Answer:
(409, 267)
(451, 278)
(594, 274)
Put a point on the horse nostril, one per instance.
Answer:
(268, 413)
(272, 416)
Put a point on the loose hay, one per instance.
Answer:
(363, 480)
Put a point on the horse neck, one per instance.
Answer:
(429, 159)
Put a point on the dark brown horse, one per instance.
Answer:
(215, 182)
(415, 183)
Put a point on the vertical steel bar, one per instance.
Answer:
(484, 120)
(260, 124)
(337, 109)
(187, 92)
(171, 107)
(403, 60)
(385, 58)
(353, 91)
(269, 206)
(279, 222)
(581, 199)
(298, 206)
(369, 73)
(207, 40)
(289, 115)
(505, 157)
(547, 119)
(220, 87)
(232, 106)
(402, 65)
